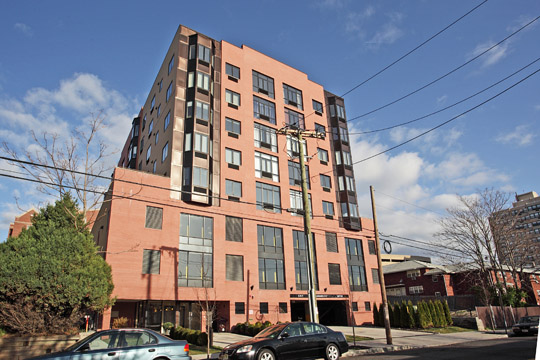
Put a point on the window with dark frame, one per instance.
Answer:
(367, 305)
(322, 155)
(232, 126)
(151, 261)
(266, 166)
(331, 242)
(263, 84)
(371, 247)
(264, 110)
(334, 274)
(282, 307)
(326, 182)
(292, 96)
(375, 276)
(354, 306)
(263, 308)
(239, 308)
(154, 217)
(233, 188)
(171, 64)
(265, 137)
(328, 208)
(233, 157)
(295, 174)
(204, 53)
(233, 229)
(232, 97)
(268, 197)
(317, 107)
(232, 71)
(234, 267)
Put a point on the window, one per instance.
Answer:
(346, 180)
(263, 308)
(203, 81)
(416, 289)
(344, 135)
(148, 153)
(233, 157)
(270, 238)
(232, 71)
(154, 217)
(157, 137)
(371, 247)
(355, 306)
(317, 107)
(233, 229)
(367, 305)
(239, 308)
(165, 152)
(191, 80)
(334, 273)
(204, 53)
(200, 177)
(331, 242)
(196, 230)
(340, 111)
(293, 147)
(295, 175)
(294, 119)
(167, 121)
(159, 109)
(297, 202)
(323, 155)
(301, 274)
(171, 64)
(150, 127)
(265, 137)
(233, 188)
(320, 129)
(328, 208)
(266, 166)
(234, 267)
(169, 92)
(292, 96)
(375, 276)
(153, 103)
(201, 110)
(201, 143)
(189, 109)
(265, 110)
(347, 160)
(283, 307)
(434, 278)
(232, 126)
(232, 98)
(268, 197)
(154, 167)
(151, 261)
(263, 84)
(357, 278)
(326, 182)
(187, 142)
(271, 273)
(412, 274)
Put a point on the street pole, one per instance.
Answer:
(381, 275)
(312, 295)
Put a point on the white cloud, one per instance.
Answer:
(494, 55)
(24, 29)
(441, 100)
(521, 136)
(356, 21)
(387, 35)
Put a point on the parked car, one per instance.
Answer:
(297, 340)
(526, 325)
(118, 344)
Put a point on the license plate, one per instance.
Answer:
(224, 357)
(525, 330)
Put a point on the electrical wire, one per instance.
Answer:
(447, 107)
(445, 75)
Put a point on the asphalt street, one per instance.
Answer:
(507, 349)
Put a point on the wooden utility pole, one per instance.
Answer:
(312, 296)
(381, 275)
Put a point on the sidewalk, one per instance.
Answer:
(402, 339)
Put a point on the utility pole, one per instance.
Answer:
(381, 275)
(312, 296)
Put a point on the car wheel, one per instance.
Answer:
(266, 354)
(332, 352)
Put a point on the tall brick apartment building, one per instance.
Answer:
(205, 201)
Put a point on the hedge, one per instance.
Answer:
(195, 337)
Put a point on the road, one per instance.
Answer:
(510, 348)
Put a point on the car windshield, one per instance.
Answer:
(529, 319)
(72, 347)
(271, 332)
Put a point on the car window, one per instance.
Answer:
(138, 338)
(310, 328)
(104, 341)
(294, 330)
(270, 332)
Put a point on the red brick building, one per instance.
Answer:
(21, 222)
(418, 278)
(206, 200)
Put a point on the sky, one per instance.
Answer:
(63, 60)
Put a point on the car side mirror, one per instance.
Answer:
(284, 335)
(85, 347)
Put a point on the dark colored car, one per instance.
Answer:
(526, 325)
(119, 344)
(297, 340)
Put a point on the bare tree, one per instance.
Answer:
(74, 164)
(206, 297)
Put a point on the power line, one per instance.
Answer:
(422, 242)
(414, 49)
(408, 203)
(446, 122)
(445, 75)
(447, 107)
(438, 252)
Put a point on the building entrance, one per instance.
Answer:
(299, 310)
(332, 312)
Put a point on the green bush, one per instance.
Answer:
(375, 315)
(404, 315)
(440, 313)
(411, 315)
(202, 339)
(447, 313)
(397, 315)
(391, 315)
(381, 315)
(168, 325)
(434, 317)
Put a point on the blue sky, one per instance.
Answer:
(61, 60)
